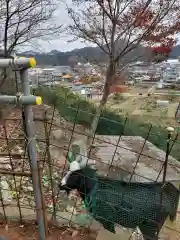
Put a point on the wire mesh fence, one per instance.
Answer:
(122, 149)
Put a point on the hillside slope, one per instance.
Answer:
(90, 54)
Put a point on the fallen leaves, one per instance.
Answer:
(29, 231)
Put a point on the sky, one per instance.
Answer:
(62, 43)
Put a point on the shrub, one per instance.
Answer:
(172, 95)
(76, 109)
(118, 96)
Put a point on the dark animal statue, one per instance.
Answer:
(130, 204)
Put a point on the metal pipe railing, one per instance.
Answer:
(23, 100)
(26, 99)
(19, 63)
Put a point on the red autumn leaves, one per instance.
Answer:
(142, 17)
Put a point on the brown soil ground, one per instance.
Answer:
(14, 231)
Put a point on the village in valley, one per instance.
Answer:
(147, 90)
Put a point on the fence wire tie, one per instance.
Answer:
(18, 98)
(30, 140)
(163, 185)
(13, 65)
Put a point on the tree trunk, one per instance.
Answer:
(108, 82)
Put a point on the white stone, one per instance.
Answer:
(170, 129)
(6, 193)
(58, 134)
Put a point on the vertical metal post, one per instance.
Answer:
(170, 131)
(32, 153)
(43, 204)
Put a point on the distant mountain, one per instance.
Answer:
(55, 57)
(30, 53)
(91, 54)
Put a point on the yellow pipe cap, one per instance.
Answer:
(32, 62)
(38, 100)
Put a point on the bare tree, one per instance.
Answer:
(118, 27)
(25, 20)
(21, 23)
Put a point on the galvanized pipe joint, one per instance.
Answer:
(24, 100)
(18, 63)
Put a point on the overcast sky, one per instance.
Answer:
(60, 44)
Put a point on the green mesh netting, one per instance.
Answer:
(132, 204)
